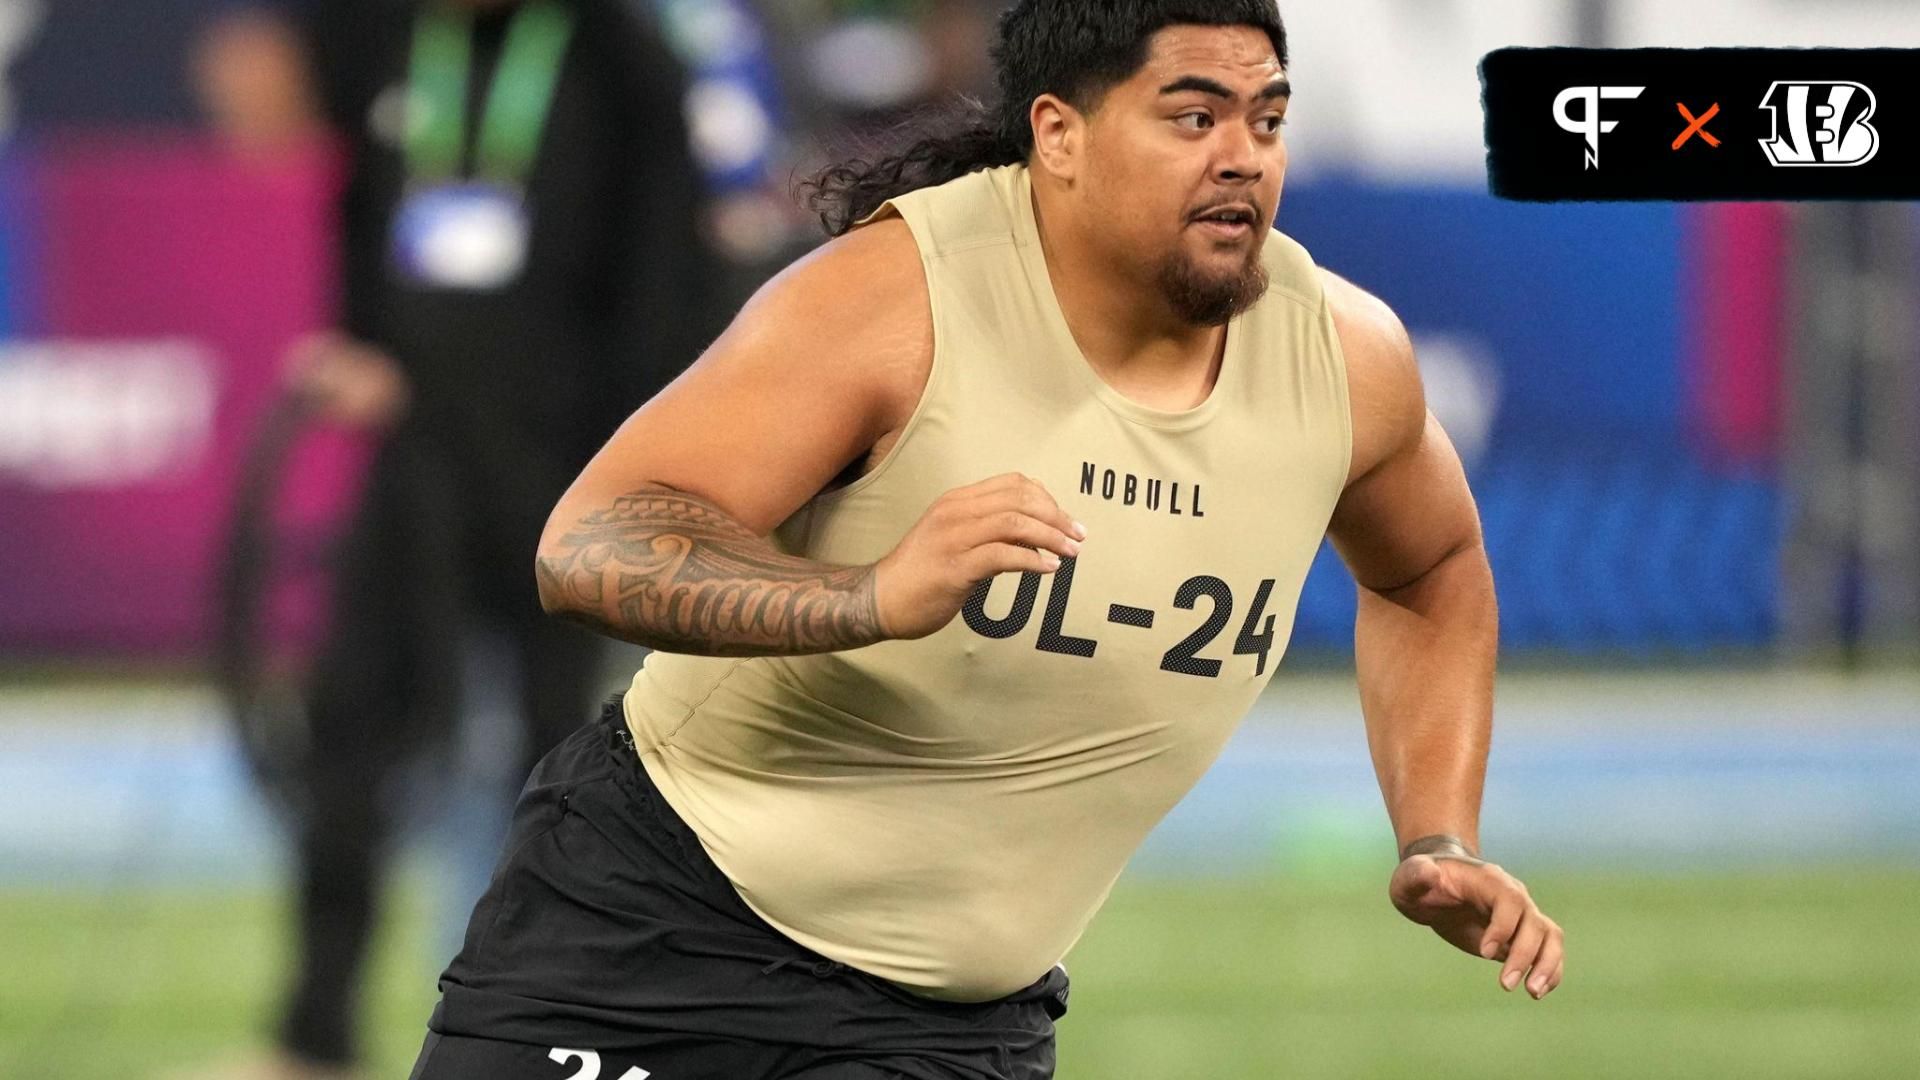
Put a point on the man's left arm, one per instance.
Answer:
(1425, 643)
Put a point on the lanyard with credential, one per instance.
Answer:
(517, 102)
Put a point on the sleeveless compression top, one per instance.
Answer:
(949, 813)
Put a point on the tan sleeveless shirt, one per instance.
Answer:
(949, 813)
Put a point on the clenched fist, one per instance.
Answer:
(1007, 524)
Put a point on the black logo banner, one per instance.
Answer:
(1693, 124)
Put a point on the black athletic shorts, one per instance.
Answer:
(609, 947)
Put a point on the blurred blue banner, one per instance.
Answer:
(1562, 347)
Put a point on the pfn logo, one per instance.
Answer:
(1826, 124)
(1590, 125)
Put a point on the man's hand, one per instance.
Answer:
(348, 382)
(1009, 524)
(1481, 909)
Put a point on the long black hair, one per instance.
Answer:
(1075, 49)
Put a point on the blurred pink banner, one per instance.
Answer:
(1738, 259)
(155, 285)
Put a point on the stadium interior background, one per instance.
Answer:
(1694, 431)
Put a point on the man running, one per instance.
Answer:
(966, 548)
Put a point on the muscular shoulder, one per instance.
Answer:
(869, 278)
(855, 311)
(807, 380)
(1383, 379)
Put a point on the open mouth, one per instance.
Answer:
(1228, 221)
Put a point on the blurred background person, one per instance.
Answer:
(523, 265)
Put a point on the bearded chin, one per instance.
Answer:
(1201, 299)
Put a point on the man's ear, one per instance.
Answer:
(1059, 136)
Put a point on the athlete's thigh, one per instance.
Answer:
(450, 1057)
(848, 1070)
(895, 1067)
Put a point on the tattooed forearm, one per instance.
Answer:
(670, 570)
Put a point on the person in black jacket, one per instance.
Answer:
(522, 268)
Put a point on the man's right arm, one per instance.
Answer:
(661, 541)
(672, 570)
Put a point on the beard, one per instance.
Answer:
(1200, 298)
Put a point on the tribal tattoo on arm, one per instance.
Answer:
(668, 569)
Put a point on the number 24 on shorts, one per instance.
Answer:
(590, 1065)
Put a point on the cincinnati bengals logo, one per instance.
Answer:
(1820, 124)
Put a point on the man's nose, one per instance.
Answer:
(1239, 156)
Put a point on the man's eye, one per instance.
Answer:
(1194, 121)
(1270, 125)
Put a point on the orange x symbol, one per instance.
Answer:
(1697, 126)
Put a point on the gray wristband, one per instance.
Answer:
(1438, 844)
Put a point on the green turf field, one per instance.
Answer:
(1799, 974)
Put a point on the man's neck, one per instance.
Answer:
(1124, 326)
